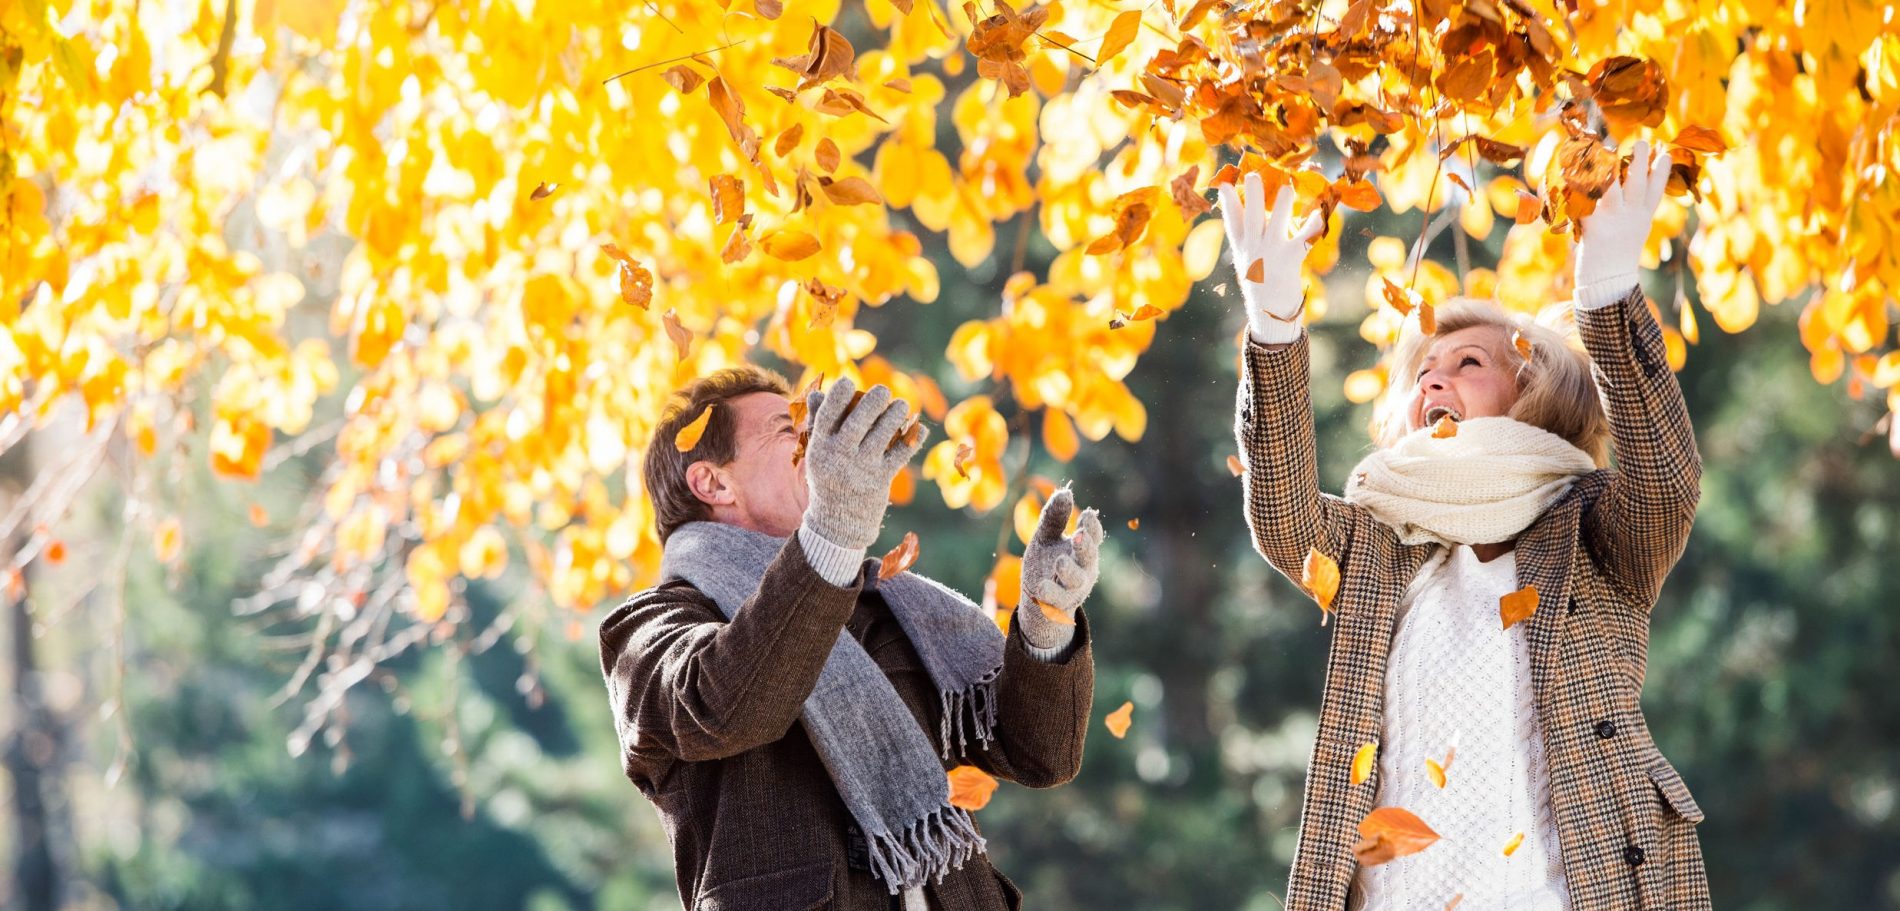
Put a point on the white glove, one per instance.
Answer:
(1274, 302)
(1610, 239)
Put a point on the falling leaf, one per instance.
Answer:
(1117, 721)
(1427, 319)
(1518, 606)
(1234, 467)
(825, 299)
(788, 140)
(259, 517)
(1121, 33)
(738, 244)
(900, 558)
(1189, 200)
(683, 78)
(1319, 575)
(1362, 762)
(769, 9)
(1258, 271)
(1445, 429)
(636, 283)
(167, 540)
(1399, 298)
(1144, 312)
(55, 552)
(1455, 900)
(728, 197)
(898, 85)
(827, 154)
(1700, 139)
(681, 336)
(1522, 344)
(970, 788)
(827, 56)
(790, 245)
(543, 190)
(1134, 524)
(1388, 833)
(1435, 772)
(962, 461)
(1510, 847)
(1055, 614)
(1630, 91)
(851, 191)
(1131, 220)
(689, 435)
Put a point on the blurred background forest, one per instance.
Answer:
(162, 749)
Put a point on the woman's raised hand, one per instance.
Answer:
(1273, 303)
(1610, 239)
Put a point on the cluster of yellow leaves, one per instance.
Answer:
(556, 213)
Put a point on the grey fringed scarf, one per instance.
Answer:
(880, 761)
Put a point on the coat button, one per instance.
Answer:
(1246, 415)
(1606, 729)
(1633, 855)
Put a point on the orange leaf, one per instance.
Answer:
(1445, 429)
(1360, 194)
(1118, 720)
(1134, 524)
(790, 245)
(970, 788)
(1190, 201)
(1120, 34)
(900, 558)
(788, 140)
(1518, 606)
(1144, 312)
(1397, 297)
(1529, 207)
(1319, 575)
(1522, 344)
(1234, 466)
(636, 284)
(1700, 139)
(1258, 271)
(1058, 434)
(851, 191)
(681, 336)
(1228, 174)
(1435, 772)
(1455, 900)
(682, 78)
(1427, 319)
(1362, 762)
(1510, 847)
(689, 435)
(55, 552)
(828, 56)
(827, 155)
(1055, 614)
(1391, 832)
(728, 197)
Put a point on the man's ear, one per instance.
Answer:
(709, 483)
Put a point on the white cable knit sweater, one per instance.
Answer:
(1456, 678)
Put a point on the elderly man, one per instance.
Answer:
(791, 716)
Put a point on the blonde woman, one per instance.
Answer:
(1554, 795)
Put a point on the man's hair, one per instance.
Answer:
(1554, 387)
(665, 470)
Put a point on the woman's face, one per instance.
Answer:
(1470, 373)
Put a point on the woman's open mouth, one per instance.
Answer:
(1435, 412)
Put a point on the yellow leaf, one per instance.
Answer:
(1518, 606)
(1510, 847)
(790, 245)
(1055, 614)
(1446, 428)
(1319, 575)
(1120, 34)
(167, 540)
(1435, 772)
(1362, 762)
(1118, 720)
(689, 435)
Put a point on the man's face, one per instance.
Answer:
(762, 490)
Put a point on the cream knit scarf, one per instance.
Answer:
(1483, 485)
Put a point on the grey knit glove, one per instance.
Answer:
(1058, 571)
(850, 461)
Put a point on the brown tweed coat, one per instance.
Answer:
(708, 717)
(1625, 820)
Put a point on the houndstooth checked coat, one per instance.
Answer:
(1625, 820)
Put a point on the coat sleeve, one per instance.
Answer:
(1042, 713)
(1640, 525)
(1273, 425)
(686, 684)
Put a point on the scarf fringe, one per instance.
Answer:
(980, 698)
(926, 850)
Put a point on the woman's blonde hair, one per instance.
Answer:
(1554, 387)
